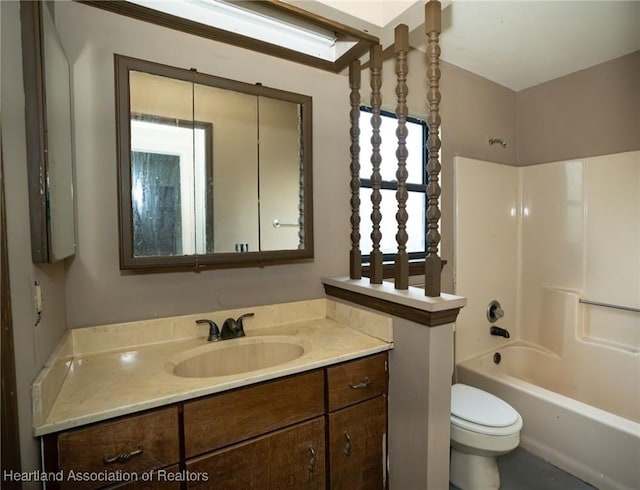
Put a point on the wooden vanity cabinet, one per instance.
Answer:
(131, 445)
(291, 458)
(357, 402)
(220, 420)
(269, 435)
(169, 481)
(321, 429)
(357, 442)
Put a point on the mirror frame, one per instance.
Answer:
(125, 64)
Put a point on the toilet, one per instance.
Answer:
(482, 427)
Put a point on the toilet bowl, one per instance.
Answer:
(482, 427)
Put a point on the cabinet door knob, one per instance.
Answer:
(312, 460)
(122, 457)
(347, 443)
(365, 382)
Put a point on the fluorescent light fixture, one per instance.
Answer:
(260, 22)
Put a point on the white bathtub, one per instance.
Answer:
(596, 445)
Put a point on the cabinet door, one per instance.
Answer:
(291, 458)
(357, 446)
(132, 444)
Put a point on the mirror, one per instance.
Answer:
(212, 172)
(49, 149)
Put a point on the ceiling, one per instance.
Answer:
(517, 44)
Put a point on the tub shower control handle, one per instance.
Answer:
(365, 382)
(494, 311)
(347, 443)
(122, 457)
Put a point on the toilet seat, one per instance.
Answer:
(481, 412)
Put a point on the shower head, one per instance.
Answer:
(499, 141)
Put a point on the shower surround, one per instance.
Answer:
(540, 239)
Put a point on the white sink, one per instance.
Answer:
(230, 357)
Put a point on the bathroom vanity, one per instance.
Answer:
(318, 421)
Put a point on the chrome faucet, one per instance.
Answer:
(499, 331)
(214, 332)
(232, 329)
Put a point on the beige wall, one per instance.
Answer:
(33, 344)
(99, 293)
(591, 112)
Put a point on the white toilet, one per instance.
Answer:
(482, 427)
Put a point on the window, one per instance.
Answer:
(416, 186)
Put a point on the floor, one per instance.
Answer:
(521, 470)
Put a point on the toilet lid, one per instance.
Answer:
(479, 407)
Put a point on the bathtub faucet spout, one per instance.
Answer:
(499, 331)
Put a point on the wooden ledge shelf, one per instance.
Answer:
(410, 304)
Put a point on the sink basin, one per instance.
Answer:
(229, 357)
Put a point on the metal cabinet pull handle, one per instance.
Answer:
(347, 443)
(365, 382)
(312, 460)
(122, 457)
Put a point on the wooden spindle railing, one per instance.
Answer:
(375, 276)
(355, 255)
(402, 69)
(433, 262)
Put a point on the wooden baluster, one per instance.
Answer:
(355, 256)
(432, 260)
(376, 160)
(402, 68)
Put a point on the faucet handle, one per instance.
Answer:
(494, 311)
(214, 331)
(240, 320)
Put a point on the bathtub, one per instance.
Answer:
(568, 412)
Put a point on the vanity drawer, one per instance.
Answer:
(146, 442)
(291, 458)
(216, 421)
(357, 380)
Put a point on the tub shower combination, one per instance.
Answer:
(561, 256)
(572, 424)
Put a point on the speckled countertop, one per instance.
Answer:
(95, 375)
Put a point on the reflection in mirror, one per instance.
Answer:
(210, 167)
(170, 187)
(280, 175)
(235, 165)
